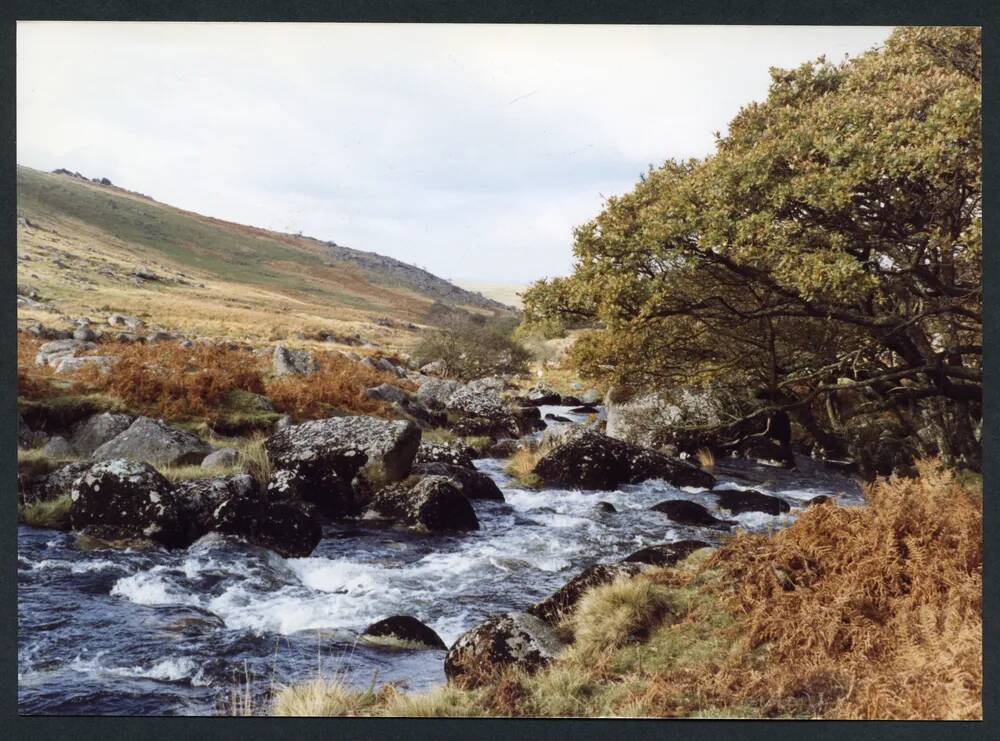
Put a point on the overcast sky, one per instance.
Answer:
(471, 151)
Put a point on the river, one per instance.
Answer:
(128, 632)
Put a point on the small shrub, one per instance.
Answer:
(473, 347)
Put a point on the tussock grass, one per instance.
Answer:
(706, 459)
(255, 461)
(850, 613)
(321, 698)
(521, 465)
(174, 474)
(53, 514)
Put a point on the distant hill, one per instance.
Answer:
(504, 292)
(80, 242)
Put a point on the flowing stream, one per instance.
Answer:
(154, 632)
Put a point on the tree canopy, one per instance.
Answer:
(831, 245)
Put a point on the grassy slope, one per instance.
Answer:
(257, 284)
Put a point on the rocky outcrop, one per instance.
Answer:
(667, 554)
(513, 639)
(684, 512)
(433, 503)
(335, 463)
(736, 502)
(129, 498)
(552, 609)
(403, 631)
(288, 362)
(472, 483)
(591, 460)
(90, 434)
(153, 441)
(437, 453)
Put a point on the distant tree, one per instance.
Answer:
(831, 246)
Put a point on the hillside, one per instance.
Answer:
(81, 243)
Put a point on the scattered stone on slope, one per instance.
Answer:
(153, 441)
(288, 362)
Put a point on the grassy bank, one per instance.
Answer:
(870, 612)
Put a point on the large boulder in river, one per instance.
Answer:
(235, 505)
(153, 441)
(129, 498)
(513, 639)
(335, 462)
(667, 554)
(432, 503)
(684, 512)
(472, 483)
(555, 606)
(91, 433)
(591, 460)
(737, 501)
(403, 631)
(437, 453)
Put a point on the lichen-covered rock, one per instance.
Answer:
(90, 434)
(153, 441)
(235, 505)
(552, 608)
(472, 483)
(130, 498)
(221, 458)
(432, 503)
(540, 395)
(667, 554)
(334, 462)
(435, 392)
(52, 353)
(73, 364)
(684, 512)
(478, 401)
(588, 459)
(437, 453)
(736, 501)
(405, 631)
(513, 639)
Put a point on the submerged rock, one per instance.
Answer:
(130, 498)
(433, 503)
(592, 460)
(153, 441)
(325, 457)
(513, 639)
(606, 507)
(403, 629)
(684, 512)
(667, 554)
(737, 501)
(552, 608)
(472, 483)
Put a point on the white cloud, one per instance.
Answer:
(470, 150)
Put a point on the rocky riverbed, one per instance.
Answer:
(154, 631)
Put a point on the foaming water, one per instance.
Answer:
(127, 632)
